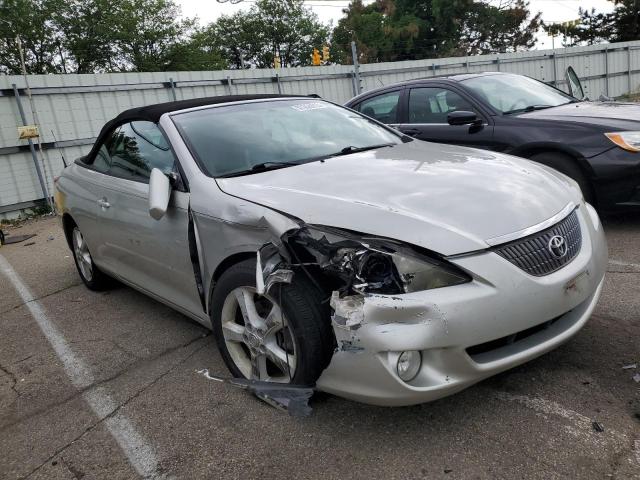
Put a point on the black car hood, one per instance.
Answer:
(621, 116)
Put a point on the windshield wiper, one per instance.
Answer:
(260, 167)
(530, 108)
(352, 149)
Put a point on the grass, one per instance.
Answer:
(29, 214)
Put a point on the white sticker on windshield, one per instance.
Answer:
(304, 107)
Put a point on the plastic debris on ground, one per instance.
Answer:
(9, 239)
(630, 367)
(636, 378)
(294, 399)
(597, 427)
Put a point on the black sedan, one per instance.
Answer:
(595, 143)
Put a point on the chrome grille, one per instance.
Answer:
(533, 255)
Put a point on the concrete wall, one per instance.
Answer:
(72, 108)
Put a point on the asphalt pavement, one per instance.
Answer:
(106, 386)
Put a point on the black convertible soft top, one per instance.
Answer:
(152, 113)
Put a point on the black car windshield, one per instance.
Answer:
(509, 93)
(252, 137)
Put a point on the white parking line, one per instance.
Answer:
(140, 453)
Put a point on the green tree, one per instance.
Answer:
(41, 41)
(283, 27)
(517, 28)
(389, 30)
(88, 32)
(148, 35)
(621, 25)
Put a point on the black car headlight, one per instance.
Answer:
(368, 264)
(629, 141)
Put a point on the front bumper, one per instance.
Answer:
(444, 324)
(617, 180)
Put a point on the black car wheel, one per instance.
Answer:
(567, 165)
(283, 336)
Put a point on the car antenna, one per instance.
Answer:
(55, 141)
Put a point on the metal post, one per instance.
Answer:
(173, 88)
(433, 68)
(630, 69)
(278, 84)
(498, 62)
(555, 70)
(43, 184)
(356, 67)
(606, 69)
(354, 87)
(229, 85)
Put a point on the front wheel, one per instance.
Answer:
(90, 274)
(283, 336)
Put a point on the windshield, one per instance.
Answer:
(516, 93)
(243, 138)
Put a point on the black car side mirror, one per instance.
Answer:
(463, 118)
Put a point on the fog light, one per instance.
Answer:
(409, 365)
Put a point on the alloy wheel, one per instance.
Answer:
(83, 257)
(258, 337)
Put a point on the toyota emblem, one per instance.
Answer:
(557, 246)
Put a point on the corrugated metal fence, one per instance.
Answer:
(72, 108)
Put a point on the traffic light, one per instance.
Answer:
(325, 54)
(276, 61)
(315, 58)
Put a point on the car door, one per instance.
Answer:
(427, 110)
(151, 254)
(385, 107)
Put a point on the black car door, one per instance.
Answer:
(426, 117)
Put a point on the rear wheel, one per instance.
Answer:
(278, 337)
(567, 165)
(90, 274)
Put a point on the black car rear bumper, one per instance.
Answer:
(617, 180)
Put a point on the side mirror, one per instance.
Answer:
(463, 118)
(575, 85)
(159, 194)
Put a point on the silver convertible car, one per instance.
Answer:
(326, 249)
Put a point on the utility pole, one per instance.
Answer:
(356, 68)
(34, 114)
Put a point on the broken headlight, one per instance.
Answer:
(366, 264)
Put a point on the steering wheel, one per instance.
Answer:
(522, 101)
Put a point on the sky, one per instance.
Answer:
(553, 11)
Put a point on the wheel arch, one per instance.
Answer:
(224, 265)
(529, 150)
(67, 227)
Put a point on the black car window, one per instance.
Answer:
(433, 104)
(136, 149)
(383, 108)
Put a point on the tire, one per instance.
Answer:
(567, 165)
(256, 343)
(90, 274)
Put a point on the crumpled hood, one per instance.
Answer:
(445, 198)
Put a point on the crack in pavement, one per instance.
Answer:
(13, 378)
(39, 298)
(119, 407)
(78, 393)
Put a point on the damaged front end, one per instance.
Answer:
(354, 271)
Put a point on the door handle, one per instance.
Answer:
(103, 203)
(410, 131)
